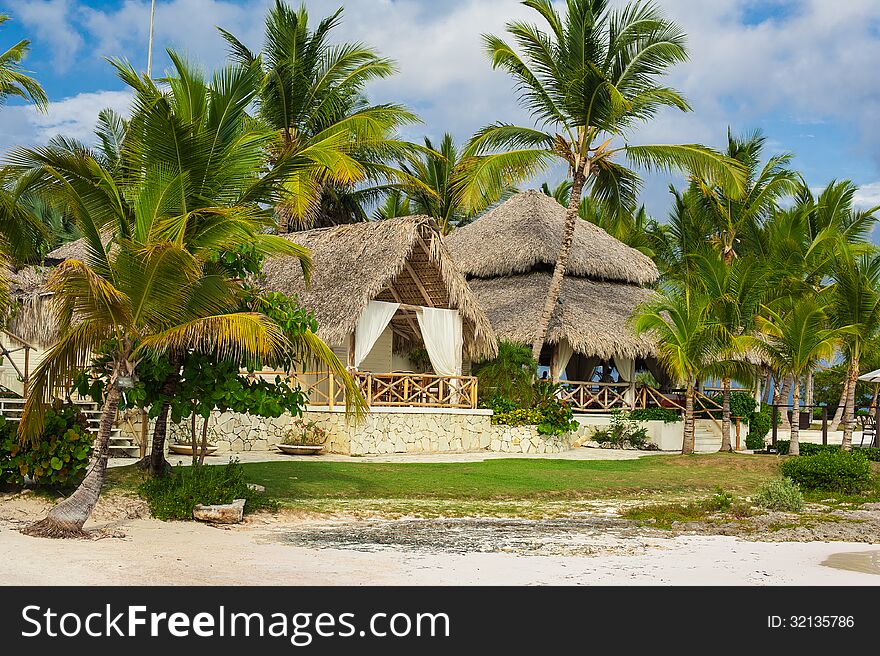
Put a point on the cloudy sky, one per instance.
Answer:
(803, 71)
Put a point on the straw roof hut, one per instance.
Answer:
(401, 260)
(508, 257)
(31, 318)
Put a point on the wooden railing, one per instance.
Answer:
(601, 398)
(404, 389)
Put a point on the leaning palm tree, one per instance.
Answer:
(312, 93)
(688, 341)
(795, 337)
(855, 295)
(145, 299)
(589, 80)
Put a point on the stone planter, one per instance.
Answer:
(666, 436)
(186, 449)
(300, 450)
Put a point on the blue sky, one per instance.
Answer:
(803, 71)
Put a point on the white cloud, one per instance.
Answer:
(51, 21)
(75, 117)
(868, 196)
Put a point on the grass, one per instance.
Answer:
(502, 487)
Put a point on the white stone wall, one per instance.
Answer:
(384, 432)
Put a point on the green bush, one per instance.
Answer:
(58, 458)
(780, 494)
(721, 502)
(806, 448)
(553, 419)
(759, 426)
(742, 404)
(832, 471)
(499, 404)
(621, 430)
(871, 453)
(666, 415)
(175, 496)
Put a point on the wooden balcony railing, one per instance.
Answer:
(403, 389)
(601, 398)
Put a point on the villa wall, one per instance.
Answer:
(384, 431)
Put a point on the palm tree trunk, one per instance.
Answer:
(158, 465)
(204, 450)
(782, 400)
(841, 405)
(725, 416)
(849, 417)
(687, 446)
(194, 442)
(768, 389)
(66, 520)
(571, 219)
(795, 448)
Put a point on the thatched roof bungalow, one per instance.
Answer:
(400, 266)
(508, 256)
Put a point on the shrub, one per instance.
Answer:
(305, 433)
(833, 471)
(780, 494)
(510, 375)
(742, 404)
(500, 405)
(806, 448)
(871, 453)
(759, 426)
(175, 496)
(666, 415)
(721, 502)
(58, 458)
(622, 429)
(553, 419)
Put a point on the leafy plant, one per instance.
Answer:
(666, 415)
(57, 458)
(780, 494)
(623, 430)
(305, 433)
(834, 471)
(807, 449)
(742, 404)
(509, 375)
(721, 501)
(175, 496)
(759, 426)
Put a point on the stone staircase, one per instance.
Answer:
(120, 446)
(707, 437)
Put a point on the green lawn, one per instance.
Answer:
(511, 479)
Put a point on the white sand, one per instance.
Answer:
(178, 553)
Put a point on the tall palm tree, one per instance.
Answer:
(855, 295)
(736, 290)
(312, 93)
(688, 338)
(795, 337)
(589, 80)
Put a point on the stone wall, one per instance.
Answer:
(384, 431)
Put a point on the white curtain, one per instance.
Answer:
(375, 318)
(626, 368)
(564, 353)
(442, 334)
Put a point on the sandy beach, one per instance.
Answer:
(133, 549)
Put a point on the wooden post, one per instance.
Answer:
(27, 373)
(876, 443)
(331, 381)
(825, 425)
(351, 345)
(474, 393)
(738, 420)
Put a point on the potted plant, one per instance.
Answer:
(183, 446)
(304, 438)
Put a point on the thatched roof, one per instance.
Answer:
(31, 319)
(524, 234)
(593, 316)
(397, 260)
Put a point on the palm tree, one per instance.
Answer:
(736, 290)
(19, 231)
(312, 94)
(146, 299)
(795, 337)
(188, 169)
(855, 295)
(14, 81)
(688, 337)
(590, 80)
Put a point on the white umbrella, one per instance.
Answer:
(873, 377)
